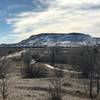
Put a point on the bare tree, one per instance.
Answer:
(85, 61)
(55, 89)
(53, 55)
(97, 68)
(27, 58)
(3, 77)
(32, 69)
(54, 51)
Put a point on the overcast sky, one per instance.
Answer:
(20, 19)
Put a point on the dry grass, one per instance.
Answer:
(37, 89)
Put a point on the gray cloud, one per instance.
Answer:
(90, 6)
(84, 7)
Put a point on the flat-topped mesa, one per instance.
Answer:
(64, 39)
(73, 39)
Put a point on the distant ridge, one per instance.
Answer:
(63, 39)
(60, 39)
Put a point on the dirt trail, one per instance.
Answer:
(68, 71)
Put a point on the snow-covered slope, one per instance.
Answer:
(62, 39)
(59, 39)
(98, 40)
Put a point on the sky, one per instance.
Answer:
(19, 19)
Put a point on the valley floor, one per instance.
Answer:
(37, 89)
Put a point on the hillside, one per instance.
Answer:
(62, 39)
(59, 39)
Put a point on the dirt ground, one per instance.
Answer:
(37, 89)
(20, 88)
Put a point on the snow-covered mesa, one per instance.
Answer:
(60, 39)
